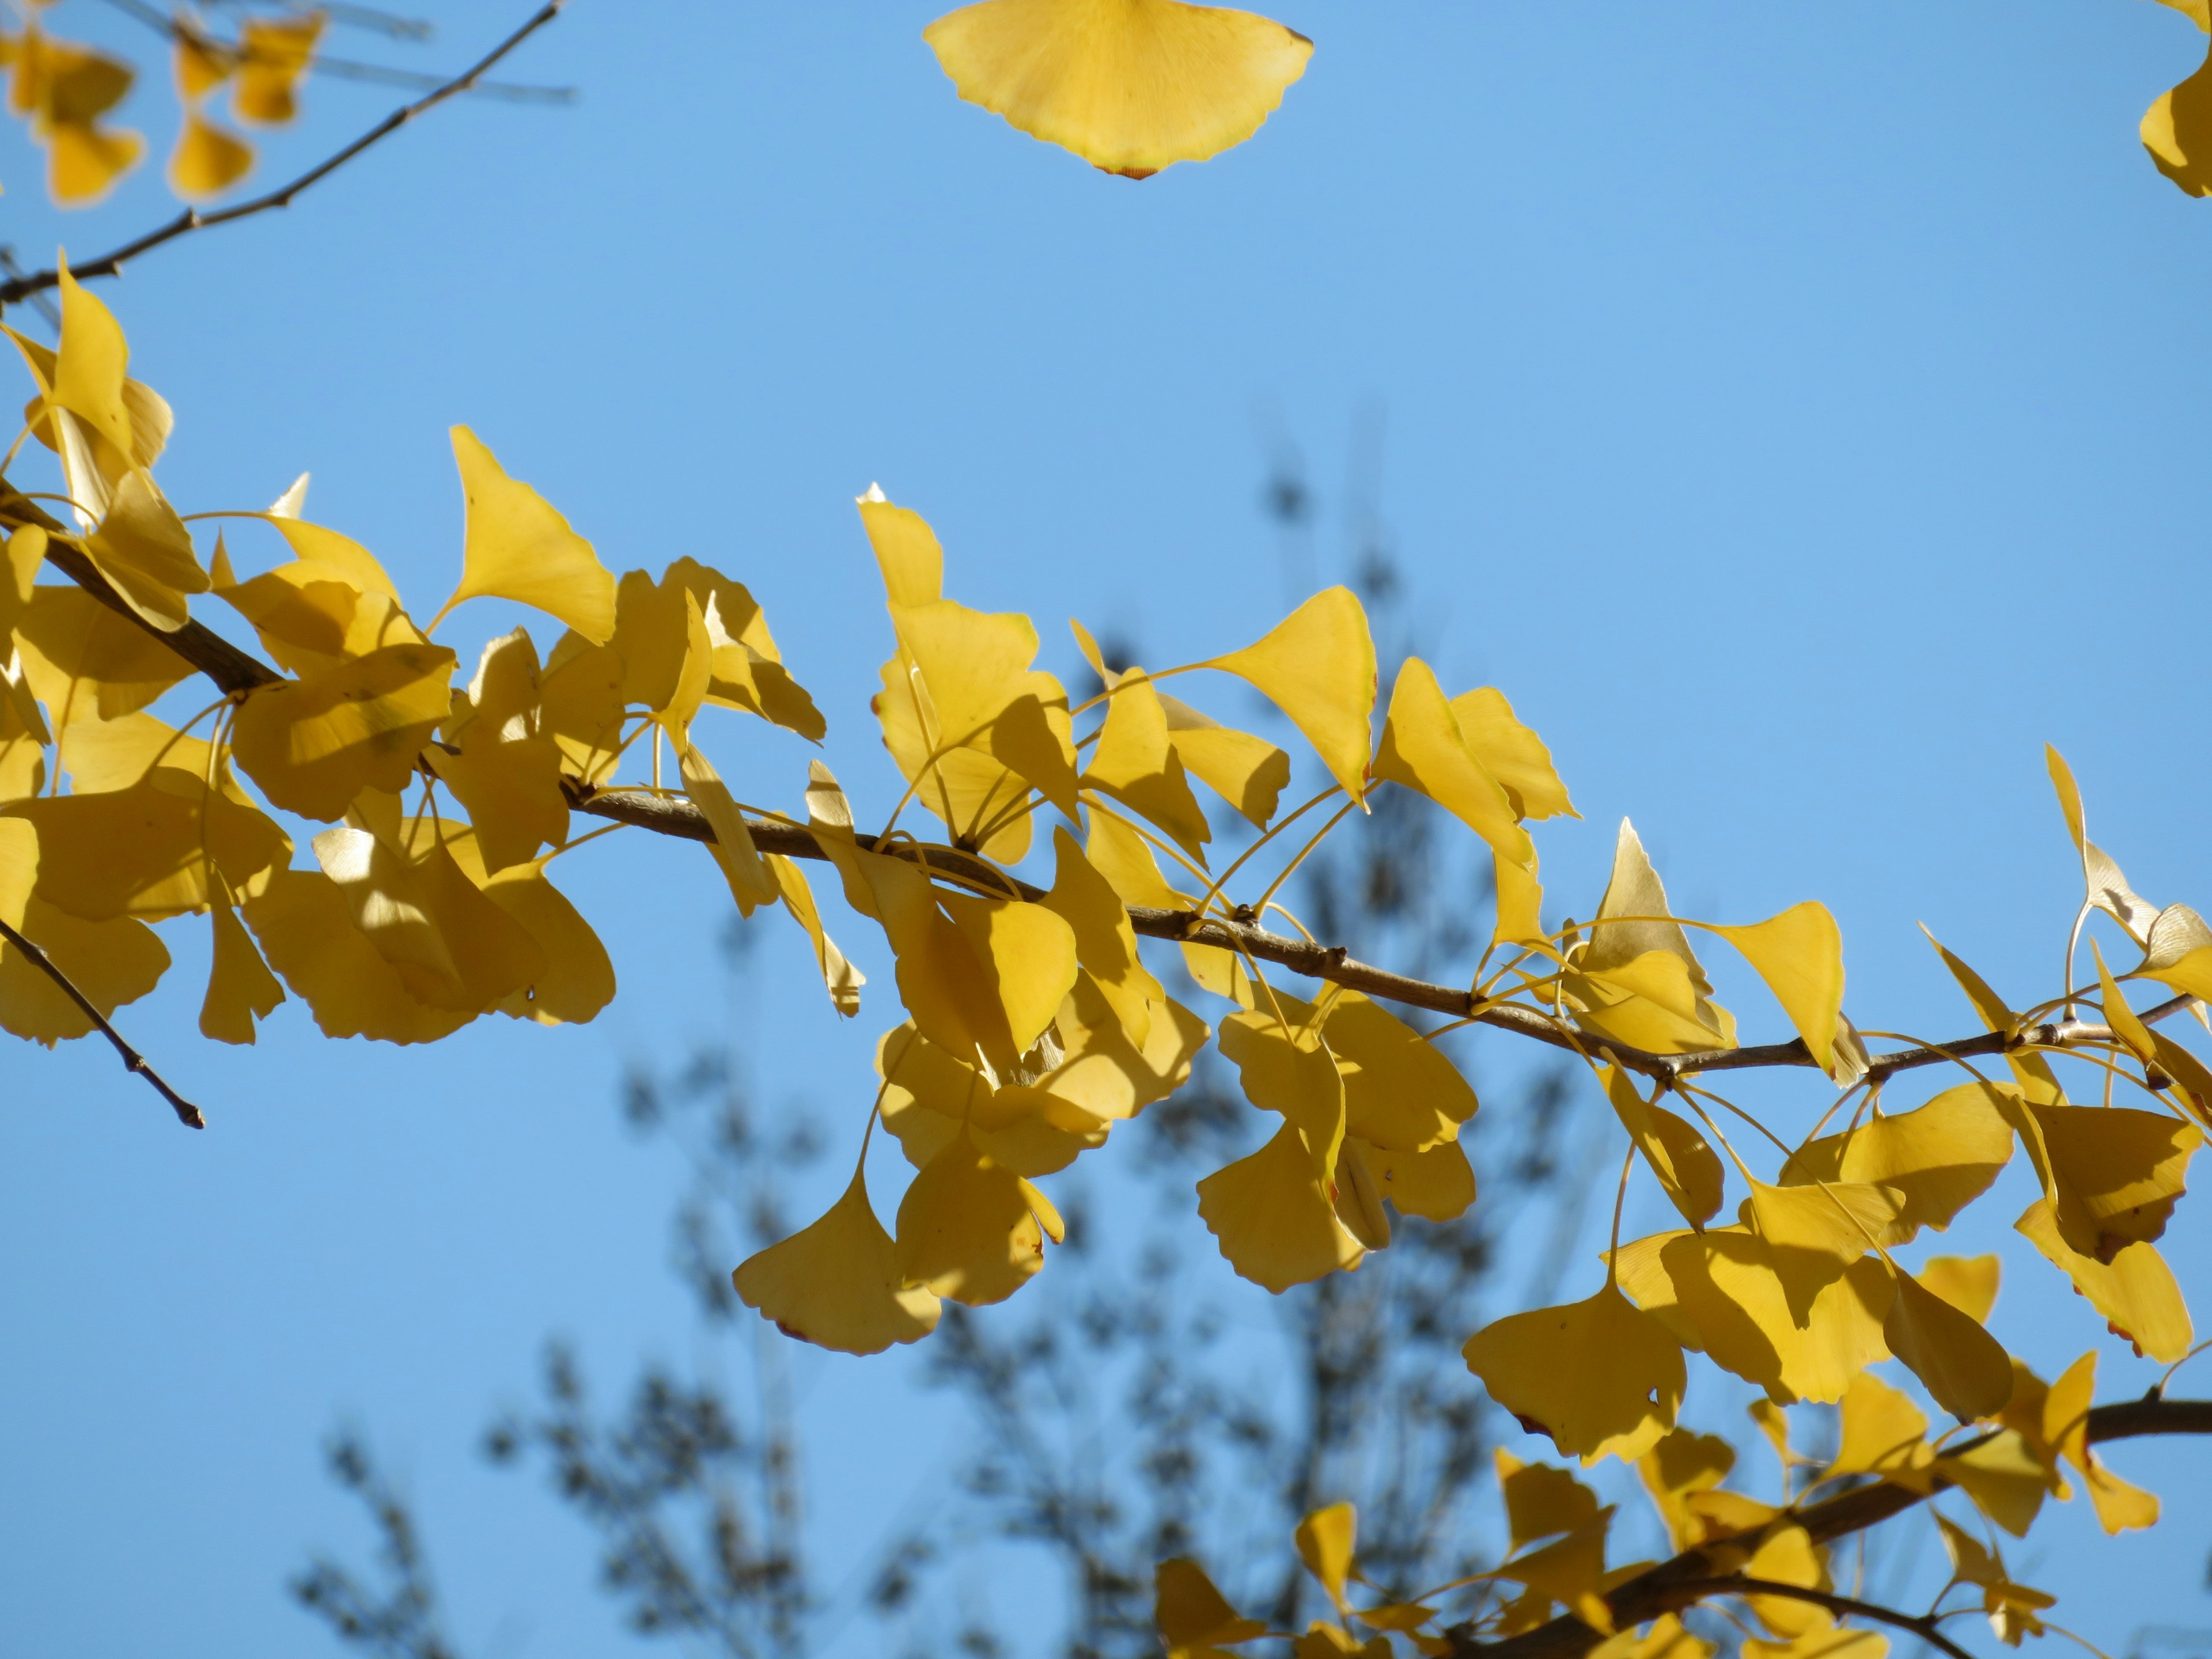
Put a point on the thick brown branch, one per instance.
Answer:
(187, 1114)
(670, 815)
(1696, 1574)
(191, 219)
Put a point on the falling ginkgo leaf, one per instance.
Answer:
(1131, 86)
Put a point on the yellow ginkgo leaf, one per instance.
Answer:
(1325, 1542)
(2121, 1507)
(1275, 1218)
(146, 553)
(1512, 754)
(1028, 957)
(2134, 1291)
(1423, 748)
(1968, 1283)
(306, 932)
(240, 988)
(2176, 130)
(85, 661)
(1844, 1642)
(1317, 665)
(1400, 1091)
(90, 364)
(747, 671)
(518, 547)
(968, 1228)
(2031, 1071)
(319, 544)
(749, 879)
(1135, 762)
(2112, 1174)
(1636, 895)
(835, 1283)
(580, 704)
(1436, 1183)
(928, 1095)
(1541, 1499)
(1787, 1556)
(1961, 1365)
(839, 976)
(454, 947)
(1600, 1377)
(1814, 1233)
(1883, 1433)
(145, 850)
(207, 160)
(906, 550)
(577, 979)
(1677, 1468)
(274, 57)
(1291, 1072)
(1118, 853)
(1248, 772)
(313, 745)
(1719, 1291)
(496, 763)
(1570, 1571)
(1800, 955)
(1131, 86)
(970, 686)
(1191, 1614)
(1105, 945)
(2012, 1608)
(1688, 1169)
(2002, 1475)
(1938, 1157)
(305, 613)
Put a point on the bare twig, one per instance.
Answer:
(187, 1114)
(1708, 1569)
(1923, 1625)
(345, 69)
(191, 219)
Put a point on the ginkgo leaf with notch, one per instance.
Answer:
(836, 1283)
(1602, 1378)
(518, 547)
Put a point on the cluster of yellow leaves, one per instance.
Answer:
(406, 926)
(1555, 1557)
(64, 90)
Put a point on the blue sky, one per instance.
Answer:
(1799, 411)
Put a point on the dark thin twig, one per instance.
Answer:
(187, 1114)
(1923, 1625)
(191, 219)
(345, 69)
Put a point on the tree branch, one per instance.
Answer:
(191, 219)
(1696, 1574)
(1923, 1627)
(187, 1114)
(238, 672)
